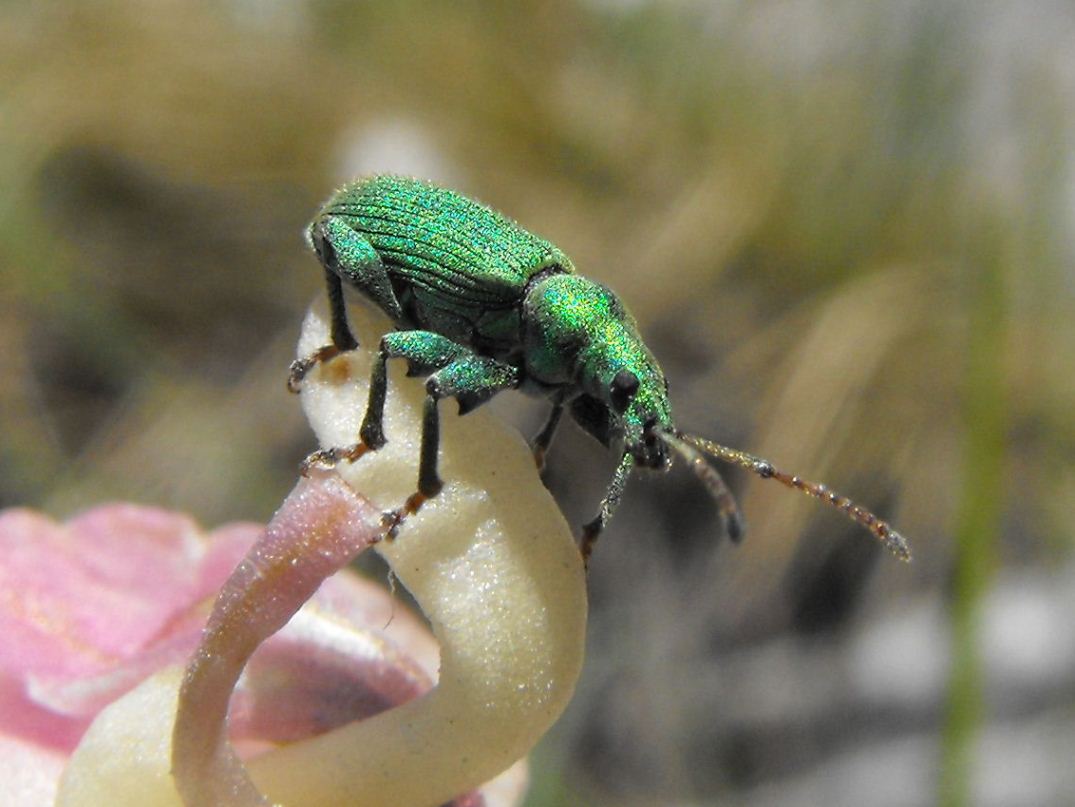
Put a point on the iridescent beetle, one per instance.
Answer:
(482, 305)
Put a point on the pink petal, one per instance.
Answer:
(75, 599)
(90, 608)
(298, 686)
(30, 722)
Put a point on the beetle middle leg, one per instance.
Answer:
(425, 352)
(539, 445)
(460, 373)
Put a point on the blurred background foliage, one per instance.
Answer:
(844, 227)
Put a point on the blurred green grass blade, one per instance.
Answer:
(978, 524)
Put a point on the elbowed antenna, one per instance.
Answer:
(688, 445)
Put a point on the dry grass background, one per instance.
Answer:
(804, 203)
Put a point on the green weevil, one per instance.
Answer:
(480, 306)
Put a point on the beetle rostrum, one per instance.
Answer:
(481, 305)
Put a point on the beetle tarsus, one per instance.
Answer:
(300, 367)
(591, 531)
(331, 457)
(393, 519)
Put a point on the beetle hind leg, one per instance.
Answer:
(342, 338)
(346, 255)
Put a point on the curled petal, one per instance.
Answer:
(490, 561)
(320, 527)
(496, 571)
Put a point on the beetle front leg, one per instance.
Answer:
(471, 380)
(592, 530)
(429, 483)
(543, 439)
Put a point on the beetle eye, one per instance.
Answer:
(622, 389)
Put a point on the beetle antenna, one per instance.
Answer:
(891, 539)
(713, 481)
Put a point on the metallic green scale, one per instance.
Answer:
(454, 264)
(580, 306)
(481, 305)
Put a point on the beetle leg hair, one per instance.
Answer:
(714, 483)
(592, 530)
(891, 539)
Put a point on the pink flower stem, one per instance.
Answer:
(321, 526)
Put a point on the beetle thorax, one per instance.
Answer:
(579, 338)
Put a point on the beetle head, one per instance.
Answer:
(619, 374)
(640, 412)
(580, 338)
